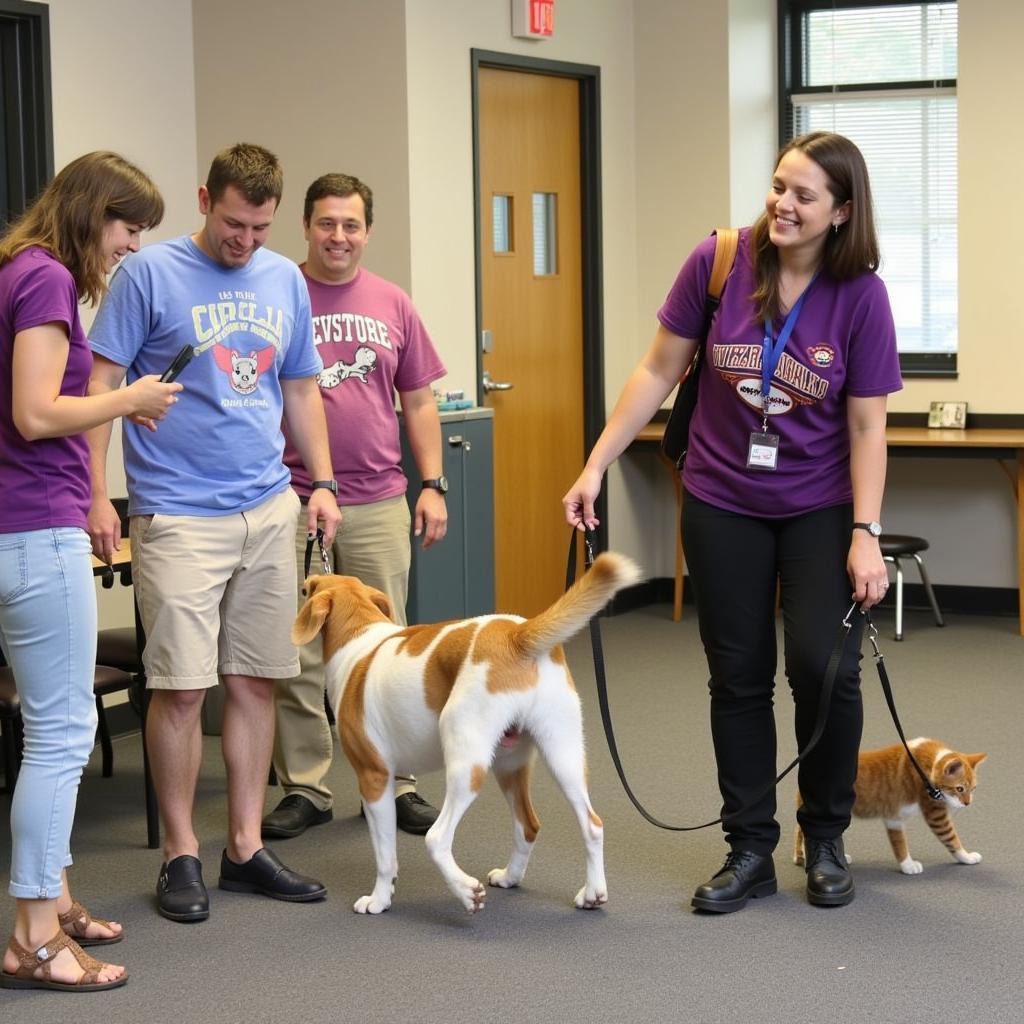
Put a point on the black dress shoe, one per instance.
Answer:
(291, 817)
(180, 892)
(264, 873)
(829, 881)
(743, 876)
(414, 815)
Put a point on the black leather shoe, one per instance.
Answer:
(414, 815)
(743, 876)
(829, 881)
(180, 892)
(264, 873)
(291, 817)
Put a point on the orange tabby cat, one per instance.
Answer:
(888, 787)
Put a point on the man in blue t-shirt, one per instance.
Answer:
(212, 510)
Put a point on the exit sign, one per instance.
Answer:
(533, 19)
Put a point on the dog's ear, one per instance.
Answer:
(311, 618)
(380, 599)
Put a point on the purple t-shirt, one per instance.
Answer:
(843, 344)
(44, 483)
(372, 343)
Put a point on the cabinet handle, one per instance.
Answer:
(455, 440)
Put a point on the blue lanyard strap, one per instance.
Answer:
(772, 352)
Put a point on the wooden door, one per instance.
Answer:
(532, 311)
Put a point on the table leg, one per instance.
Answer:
(152, 808)
(1020, 537)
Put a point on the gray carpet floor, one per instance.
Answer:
(943, 945)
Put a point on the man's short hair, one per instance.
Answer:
(340, 185)
(251, 169)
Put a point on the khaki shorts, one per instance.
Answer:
(217, 594)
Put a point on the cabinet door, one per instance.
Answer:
(478, 483)
(455, 578)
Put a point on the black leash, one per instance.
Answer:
(824, 702)
(883, 678)
(318, 539)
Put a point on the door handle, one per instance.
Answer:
(493, 385)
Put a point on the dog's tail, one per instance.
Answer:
(575, 608)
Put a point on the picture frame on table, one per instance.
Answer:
(948, 415)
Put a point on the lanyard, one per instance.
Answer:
(772, 352)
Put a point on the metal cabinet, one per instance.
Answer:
(455, 578)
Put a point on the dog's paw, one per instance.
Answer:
(909, 866)
(370, 905)
(472, 895)
(966, 857)
(590, 898)
(502, 878)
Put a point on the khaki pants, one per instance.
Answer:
(372, 544)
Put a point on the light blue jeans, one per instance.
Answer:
(48, 634)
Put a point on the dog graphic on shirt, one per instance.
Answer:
(244, 371)
(361, 367)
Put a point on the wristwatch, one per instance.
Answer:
(327, 485)
(437, 484)
(875, 529)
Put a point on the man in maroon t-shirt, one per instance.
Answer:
(372, 344)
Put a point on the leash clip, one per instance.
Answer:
(873, 637)
(318, 538)
(847, 624)
(588, 549)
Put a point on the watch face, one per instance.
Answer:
(440, 484)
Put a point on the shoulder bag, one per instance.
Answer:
(676, 439)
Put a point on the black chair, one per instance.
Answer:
(895, 547)
(11, 735)
(106, 680)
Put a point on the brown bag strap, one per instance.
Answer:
(727, 240)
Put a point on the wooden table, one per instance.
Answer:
(121, 565)
(1005, 445)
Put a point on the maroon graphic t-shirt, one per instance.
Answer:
(372, 343)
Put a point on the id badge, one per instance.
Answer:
(763, 452)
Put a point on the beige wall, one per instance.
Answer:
(322, 83)
(688, 132)
(122, 79)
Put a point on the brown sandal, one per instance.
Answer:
(29, 963)
(75, 923)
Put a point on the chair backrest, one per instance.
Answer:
(121, 508)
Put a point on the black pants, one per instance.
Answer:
(733, 563)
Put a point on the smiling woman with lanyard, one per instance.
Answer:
(783, 482)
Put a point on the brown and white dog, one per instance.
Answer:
(466, 695)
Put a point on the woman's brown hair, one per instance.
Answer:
(69, 216)
(851, 250)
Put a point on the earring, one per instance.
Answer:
(835, 228)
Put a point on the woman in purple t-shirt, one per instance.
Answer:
(783, 482)
(59, 253)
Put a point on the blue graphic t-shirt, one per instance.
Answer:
(220, 448)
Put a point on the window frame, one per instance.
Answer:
(26, 104)
(790, 64)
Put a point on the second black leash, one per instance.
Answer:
(824, 703)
